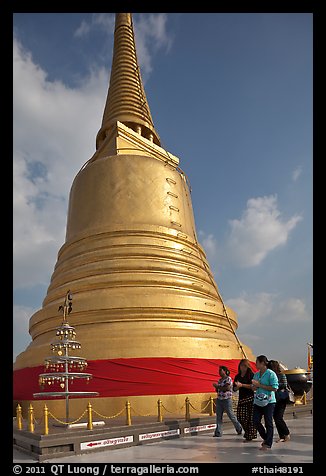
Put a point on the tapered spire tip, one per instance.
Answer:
(126, 100)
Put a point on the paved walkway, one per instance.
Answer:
(205, 449)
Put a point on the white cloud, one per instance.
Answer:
(259, 231)
(293, 310)
(247, 338)
(209, 244)
(54, 134)
(21, 316)
(296, 173)
(150, 34)
(261, 307)
(21, 338)
(104, 20)
(251, 309)
(251, 340)
(82, 30)
(99, 21)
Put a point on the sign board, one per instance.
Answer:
(90, 445)
(193, 429)
(158, 434)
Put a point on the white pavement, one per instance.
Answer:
(205, 449)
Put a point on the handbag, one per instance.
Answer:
(261, 399)
(285, 394)
(282, 394)
(291, 396)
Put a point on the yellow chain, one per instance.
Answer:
(163, 406)
(70, 422)
(202, 410)
(198, 411)
(109, 417)
(206, 406)
(38, 422)
(120, 412)
(139, 414)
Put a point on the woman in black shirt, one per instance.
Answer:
(280, 406)
(242, 382)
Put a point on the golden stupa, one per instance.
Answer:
(141, 283)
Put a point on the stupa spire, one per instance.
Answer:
(126, 100)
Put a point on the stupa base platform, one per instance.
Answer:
(116, 434)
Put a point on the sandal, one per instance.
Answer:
(264, 447)
(284, 439)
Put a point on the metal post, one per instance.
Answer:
(187, 416)
(128, 413)
(159, 410)
(211, 406)
(67, 384)
(30, 419)
(46, 420)
(90, 417)
(19, 417)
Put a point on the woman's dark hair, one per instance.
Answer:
(275, 365)
(262, 359)
(247, 363)
(226, 370)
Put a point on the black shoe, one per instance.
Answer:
(217, 436)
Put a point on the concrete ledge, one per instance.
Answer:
(66, 442)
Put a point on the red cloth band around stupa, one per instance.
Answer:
(135, 376)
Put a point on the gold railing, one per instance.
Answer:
(128, 410)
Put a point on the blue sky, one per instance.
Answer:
(231, 96)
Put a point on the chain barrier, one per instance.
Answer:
(175, 411)
(203, 409)
(163, 406)
(183, 406)
(39, 421)
(139, 414)
(109, 417)
(70, 422)
(191, 405)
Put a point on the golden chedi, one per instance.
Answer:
(146, 308)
